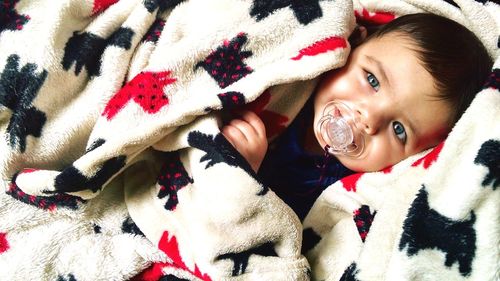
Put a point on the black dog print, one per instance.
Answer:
(18, 89)
(424, 228)
(241, 259)
(489, 156)
(350, 273)
(71, 179)
(304, 10)
(163, 5)
(219, 150)
(85, 49)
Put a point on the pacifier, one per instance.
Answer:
(339, 131)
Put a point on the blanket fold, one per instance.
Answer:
(114, 167)
(196, 59)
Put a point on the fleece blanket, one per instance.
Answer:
(114, 167)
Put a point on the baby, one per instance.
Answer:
(400, 92)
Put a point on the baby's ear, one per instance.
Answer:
(363, 32)
(357, 36)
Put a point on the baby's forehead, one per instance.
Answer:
(437, 108)
(396, 37)
(449, 108)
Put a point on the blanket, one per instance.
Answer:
(114, 167)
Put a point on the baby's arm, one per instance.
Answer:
(248, 135)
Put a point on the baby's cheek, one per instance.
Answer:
(375, 157)
(356, 165)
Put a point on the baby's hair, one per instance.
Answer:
(451, 53)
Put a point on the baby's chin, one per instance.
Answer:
(359, 164)
(351, 164)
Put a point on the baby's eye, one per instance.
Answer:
(373, 81)
(400, 131)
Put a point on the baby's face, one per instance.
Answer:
(384, 84)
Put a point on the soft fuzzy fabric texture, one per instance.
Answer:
(114, 166)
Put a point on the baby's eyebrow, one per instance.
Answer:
(380, 68)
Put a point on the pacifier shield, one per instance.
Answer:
(338, 130)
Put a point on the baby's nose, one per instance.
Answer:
(370, 119)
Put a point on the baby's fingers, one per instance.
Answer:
(254, 120)
(233, 134)
(245, 127)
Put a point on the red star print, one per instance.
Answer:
(170, 247)
(351, 181)
(323, 46)
(4, 244)
(430, 157)
(152, 273)
(101, 5)
(146, 89)
(275, 123)
(387, 170)
(374, 17)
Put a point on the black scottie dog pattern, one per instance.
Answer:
(163, 5)
(68, 277)
(489, 156)
(240, 260)
(71, 179)
(304, 10)
(85, 49)
(350, 273)
(425, 228)
(129, 226)
(219, 150)
(18, 88)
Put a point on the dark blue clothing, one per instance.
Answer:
(296, 176)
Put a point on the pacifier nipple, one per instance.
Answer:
(338, 130)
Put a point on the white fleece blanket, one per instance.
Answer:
(113, 164)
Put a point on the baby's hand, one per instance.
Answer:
(248, 136)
